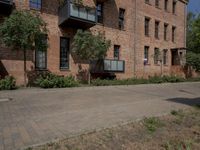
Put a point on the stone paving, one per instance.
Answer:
(36, 116)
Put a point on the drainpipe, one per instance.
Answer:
(185, 24)
(135, 30)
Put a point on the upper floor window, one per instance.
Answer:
(157, 29)
(157, 3)
(173, 33)
(166, 5)
(116, 52)
(100, 12)
(146, 26)
(174, 7)
(121, 18)
(165, 31)
(35, 4)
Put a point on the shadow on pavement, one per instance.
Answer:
(186, 101)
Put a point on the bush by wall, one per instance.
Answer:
(133, 81)
(8, 83)
(54, 81)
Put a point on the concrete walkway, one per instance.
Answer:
(35, 116)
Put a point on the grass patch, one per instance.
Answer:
(178, 145)
(152, 124)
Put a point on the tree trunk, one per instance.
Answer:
(25, 84)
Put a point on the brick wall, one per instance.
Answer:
(131, 39)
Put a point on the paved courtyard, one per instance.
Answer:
(36, 116)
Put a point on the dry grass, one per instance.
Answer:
(178, 131)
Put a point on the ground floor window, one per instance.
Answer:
(146, 55)
(165, 51)
(41, 55)
(156, 56)
(64, 53)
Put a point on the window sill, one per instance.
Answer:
(156, 64)
(148, 36)
(37, 69)
(147, 65)
(157, 38)
(158, 7)
(64, 69)
(148, 3)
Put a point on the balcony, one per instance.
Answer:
(108, 66)
(6, 6)
(76, 15)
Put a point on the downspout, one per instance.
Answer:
(185, 25)
(134, 53)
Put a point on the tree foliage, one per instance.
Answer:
(90, 47)
(21, 29)
(193, 41)
(193, 32)
(193, 60)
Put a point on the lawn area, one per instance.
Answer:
(179, 130)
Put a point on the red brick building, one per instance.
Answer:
(139, 30)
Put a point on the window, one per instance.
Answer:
(146, 26)
(156, 55)
(146, 54)
(121, 18)
(173, 33)
(157, 3)
(35, 4)
(64, 53)
(165, 31)
(157, 29)
(116, 52)
(166, 5)
(165, 56)
(147, 1)
(41, 55)
(100, 12)
(174, 7)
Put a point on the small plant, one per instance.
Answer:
(8, 83)
(152, 124)
(174, 112)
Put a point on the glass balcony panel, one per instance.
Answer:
(91, 15)
(120, 65)
(74, 10)
(83, 13)
(114, 65)
(107, 65)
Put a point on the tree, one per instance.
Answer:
(193, 32)
(90, 47)
(193, 41)
(21, 30)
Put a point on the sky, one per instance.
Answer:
(194, 6)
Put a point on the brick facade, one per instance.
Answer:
(131, 40)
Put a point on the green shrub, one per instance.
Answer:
(133, 81)
(8, 83)
(152, 124)
(54, 81)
